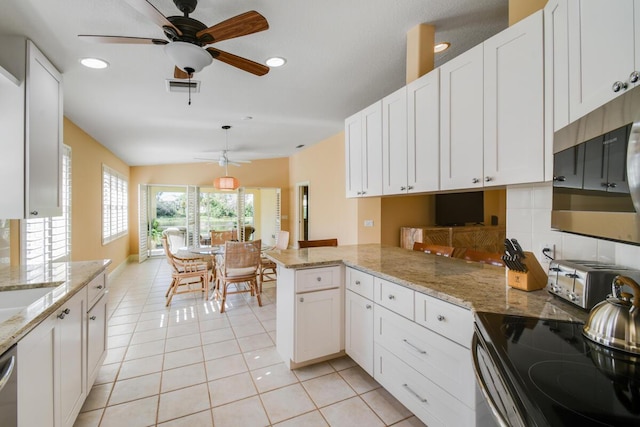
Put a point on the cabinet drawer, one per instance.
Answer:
(444, 362)
(96, 289)
(313, 279)
(448, 320)
(394, 297)
(360, 283)
(422, 397)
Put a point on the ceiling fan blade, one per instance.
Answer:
(122, 40)
(239, 62)
(149, 10)
(179, 74)
(240, 25)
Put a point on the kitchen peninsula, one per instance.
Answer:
(406, 311)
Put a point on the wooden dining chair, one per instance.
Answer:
(220, 237)
(239, 266)
(187, 275)
(317, 243)
(268, 268)
(483, 257)
(446, 251)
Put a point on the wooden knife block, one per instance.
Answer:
(535, 278)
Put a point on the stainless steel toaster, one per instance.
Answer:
(584, 283)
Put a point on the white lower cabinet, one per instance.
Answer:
(318, 324)
(359, 330)
(59, 359)
(52, 369)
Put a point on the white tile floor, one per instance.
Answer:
(189, 365)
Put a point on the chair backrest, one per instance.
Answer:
(248, 232)
(220, 237)
(169, 255)
(316, 243)
(433, 249)
(484, 257)
(175, 238)
(242, 255)
(282, 241)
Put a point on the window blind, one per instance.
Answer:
(114, 204)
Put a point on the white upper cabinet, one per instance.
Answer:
(556, 59)
(604, 46)
(363, 150)
(514, 104)
(461, 121)
(423, 137)
(394, 142)
(31, 130)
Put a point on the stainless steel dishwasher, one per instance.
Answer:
(9, 388)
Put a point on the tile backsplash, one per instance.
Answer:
(529, 219)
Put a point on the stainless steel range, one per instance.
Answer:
(584, 283)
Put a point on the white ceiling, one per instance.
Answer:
(342, 56)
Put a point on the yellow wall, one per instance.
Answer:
(87, 157)
(520, 9)
(405, 211)
(495, 203)
(269, 173)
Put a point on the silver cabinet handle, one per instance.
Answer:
(419, 350)
(301, 299)
(319, 279)
(475, 180)
(392, 297)
(368, 306)
(364, 192)
(618, 86)
(359, 193)
(93, 317)
(99, 286)
(357, 282)
(488, 179)
(7, 371)
(440, 317)
(64, 313)
(420, 398)
(634, 77)
(34, 213)
(403, 188)
(410, 187)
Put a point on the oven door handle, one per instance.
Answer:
(7, 371)
(475, 343)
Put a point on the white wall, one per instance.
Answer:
(529, 219)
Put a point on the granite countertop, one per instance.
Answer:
(64, 279)
(472, 285)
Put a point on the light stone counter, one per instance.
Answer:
(476, 286)
(64, 278)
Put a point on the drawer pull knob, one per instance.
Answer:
(618, 86)
(99, 286)
(392, 297)
(93, 317)
(419, 350)
(64, 313)
(440, 317)
(301, 299)
(319, 279)
(368, 306)
(421, 399)
(357, 282)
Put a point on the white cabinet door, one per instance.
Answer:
(353, 154)
(318, 324)
(359, 330)
(372, 150)
(394, 142)
(70, 362)
(556, 60)
(423, 138)
(514, 104)
(461, 121)
(36, 376)
(96, 339)
(602, 51)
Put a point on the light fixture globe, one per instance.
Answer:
(226, 183)
(188, 56)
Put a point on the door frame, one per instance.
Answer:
(299, 226)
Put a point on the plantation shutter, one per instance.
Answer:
(193, 216)
(143, 222)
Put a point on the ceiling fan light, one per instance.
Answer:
(226, 183)
(275, 61)
(96, 63)
(187, 55)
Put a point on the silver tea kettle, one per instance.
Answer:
(615, 322)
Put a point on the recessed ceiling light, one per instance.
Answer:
(441, 47)
(247, 118)
(276, 61)
(94, 63)
(300, 146)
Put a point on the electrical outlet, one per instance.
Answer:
(368, 223)
(547, 252)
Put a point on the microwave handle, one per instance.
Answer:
(633, 165)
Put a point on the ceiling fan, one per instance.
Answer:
(187, 38)
(224, 161)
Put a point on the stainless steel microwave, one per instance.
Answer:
(596, 172)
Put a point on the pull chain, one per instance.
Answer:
(189, 88)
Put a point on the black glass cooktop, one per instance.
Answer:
(561, 378)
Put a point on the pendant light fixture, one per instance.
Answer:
(226, 182)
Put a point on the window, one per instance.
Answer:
(46, 240)
(114, 205)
